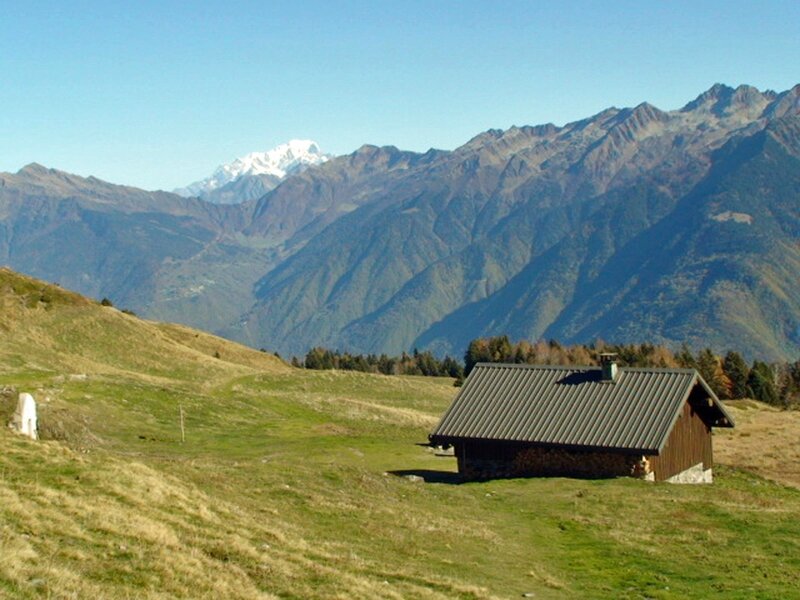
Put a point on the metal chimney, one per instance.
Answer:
(608, 364)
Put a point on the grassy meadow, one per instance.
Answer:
(312, 484)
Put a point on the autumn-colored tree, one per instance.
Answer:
(710, 369)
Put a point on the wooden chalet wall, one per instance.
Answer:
(688, 444)
(483, 459)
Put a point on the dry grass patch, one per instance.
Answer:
(766, 441)
(218, 348)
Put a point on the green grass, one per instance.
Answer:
(290, 485)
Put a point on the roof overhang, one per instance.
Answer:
(714, 414)
(722, 418)
(441, 440)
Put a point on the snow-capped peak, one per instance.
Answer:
(277, 163)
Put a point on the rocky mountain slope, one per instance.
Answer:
(154, 252)
(632, 225)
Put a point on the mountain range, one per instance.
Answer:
(632, 225)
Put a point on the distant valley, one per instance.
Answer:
(632, 225)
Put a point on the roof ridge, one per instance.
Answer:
(585, 367)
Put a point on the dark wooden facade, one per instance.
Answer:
(689, 443)
(479, 459)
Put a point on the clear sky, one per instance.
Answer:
(158, 94)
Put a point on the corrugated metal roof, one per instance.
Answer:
(571, 406)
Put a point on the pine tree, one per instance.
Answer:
(762, 383)
(451, 368)
(738, 372)
(500, 349)
(685, 358)
(710, 370)
(319, 358)
(477, 351)
(788, 377)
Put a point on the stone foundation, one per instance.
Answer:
(480, 462)
(695, 474)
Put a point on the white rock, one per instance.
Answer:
(25, 416)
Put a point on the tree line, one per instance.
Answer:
(728, 375)
(416, 363)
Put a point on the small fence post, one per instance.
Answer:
(183, 432)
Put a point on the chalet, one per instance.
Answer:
(592, 422)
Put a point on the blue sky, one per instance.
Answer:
(157, 94)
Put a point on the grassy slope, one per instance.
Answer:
(765, 441)
(284, 486)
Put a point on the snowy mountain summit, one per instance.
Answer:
(257, 173)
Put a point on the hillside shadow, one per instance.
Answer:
(430, 476)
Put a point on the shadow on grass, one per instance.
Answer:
(430, 476)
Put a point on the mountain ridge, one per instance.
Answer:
(599, 155)
(525, 231)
